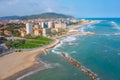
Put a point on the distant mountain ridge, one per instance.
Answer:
(43, 15)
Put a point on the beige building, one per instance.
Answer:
(37, 30)
(46, 32)
(61, 25)
(23, 33)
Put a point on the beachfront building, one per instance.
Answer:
(29, 28)
(59, 27)
(23, 32)
(44, 28)
(50, 24)
(46, 32)
(37, 30)
(42, 24)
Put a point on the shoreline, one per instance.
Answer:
(30, 71)
(20, 63)
(31, 64)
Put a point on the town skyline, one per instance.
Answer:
(79, 9)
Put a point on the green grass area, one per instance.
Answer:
(34, 43)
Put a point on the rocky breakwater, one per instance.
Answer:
(78, 65)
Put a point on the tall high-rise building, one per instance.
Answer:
(29, 28)
(50, 25)
(42, 24)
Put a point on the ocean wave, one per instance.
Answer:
(116, 26)
(119, 54)
(28, 74)
(116, 33)
(73, 52)
(55, 51)
(69, 39)
(70, 43)
(33, 72)
(90, 26)
(59, 45)
(99, 21)
(57, 64)
(110, 34)
(104, 34)
(82, 29)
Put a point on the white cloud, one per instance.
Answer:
(13, 2)
(49, 10)
(28, 7)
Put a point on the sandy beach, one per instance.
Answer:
(18, 63)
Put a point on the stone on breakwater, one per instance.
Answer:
(77, 64)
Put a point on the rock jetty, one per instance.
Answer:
(78, 65)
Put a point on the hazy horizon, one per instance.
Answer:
(79, 9)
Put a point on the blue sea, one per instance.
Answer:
(100, 53)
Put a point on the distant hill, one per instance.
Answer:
(43, 15)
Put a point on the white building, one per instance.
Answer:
(29, 28)
(50, 25)
(37, 26)
(42, 24)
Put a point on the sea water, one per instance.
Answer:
(100, 53)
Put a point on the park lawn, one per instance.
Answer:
(34, 43)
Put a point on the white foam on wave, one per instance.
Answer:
(83, 29)
(60, 44)
(55, 51)
(112, 34)
(91, 72)
(116, 33)
(116, 26)
(119, 54)
(47, 66)
(69, 39)
(70, 43)
(91, 26)
(57, 64)
(98, 21)
(105, 34)
(73, 52)
(30, 73)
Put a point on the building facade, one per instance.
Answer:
(29, 28)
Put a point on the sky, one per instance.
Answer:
(76, 8)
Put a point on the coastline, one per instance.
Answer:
(20, 63)
(28, 60)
